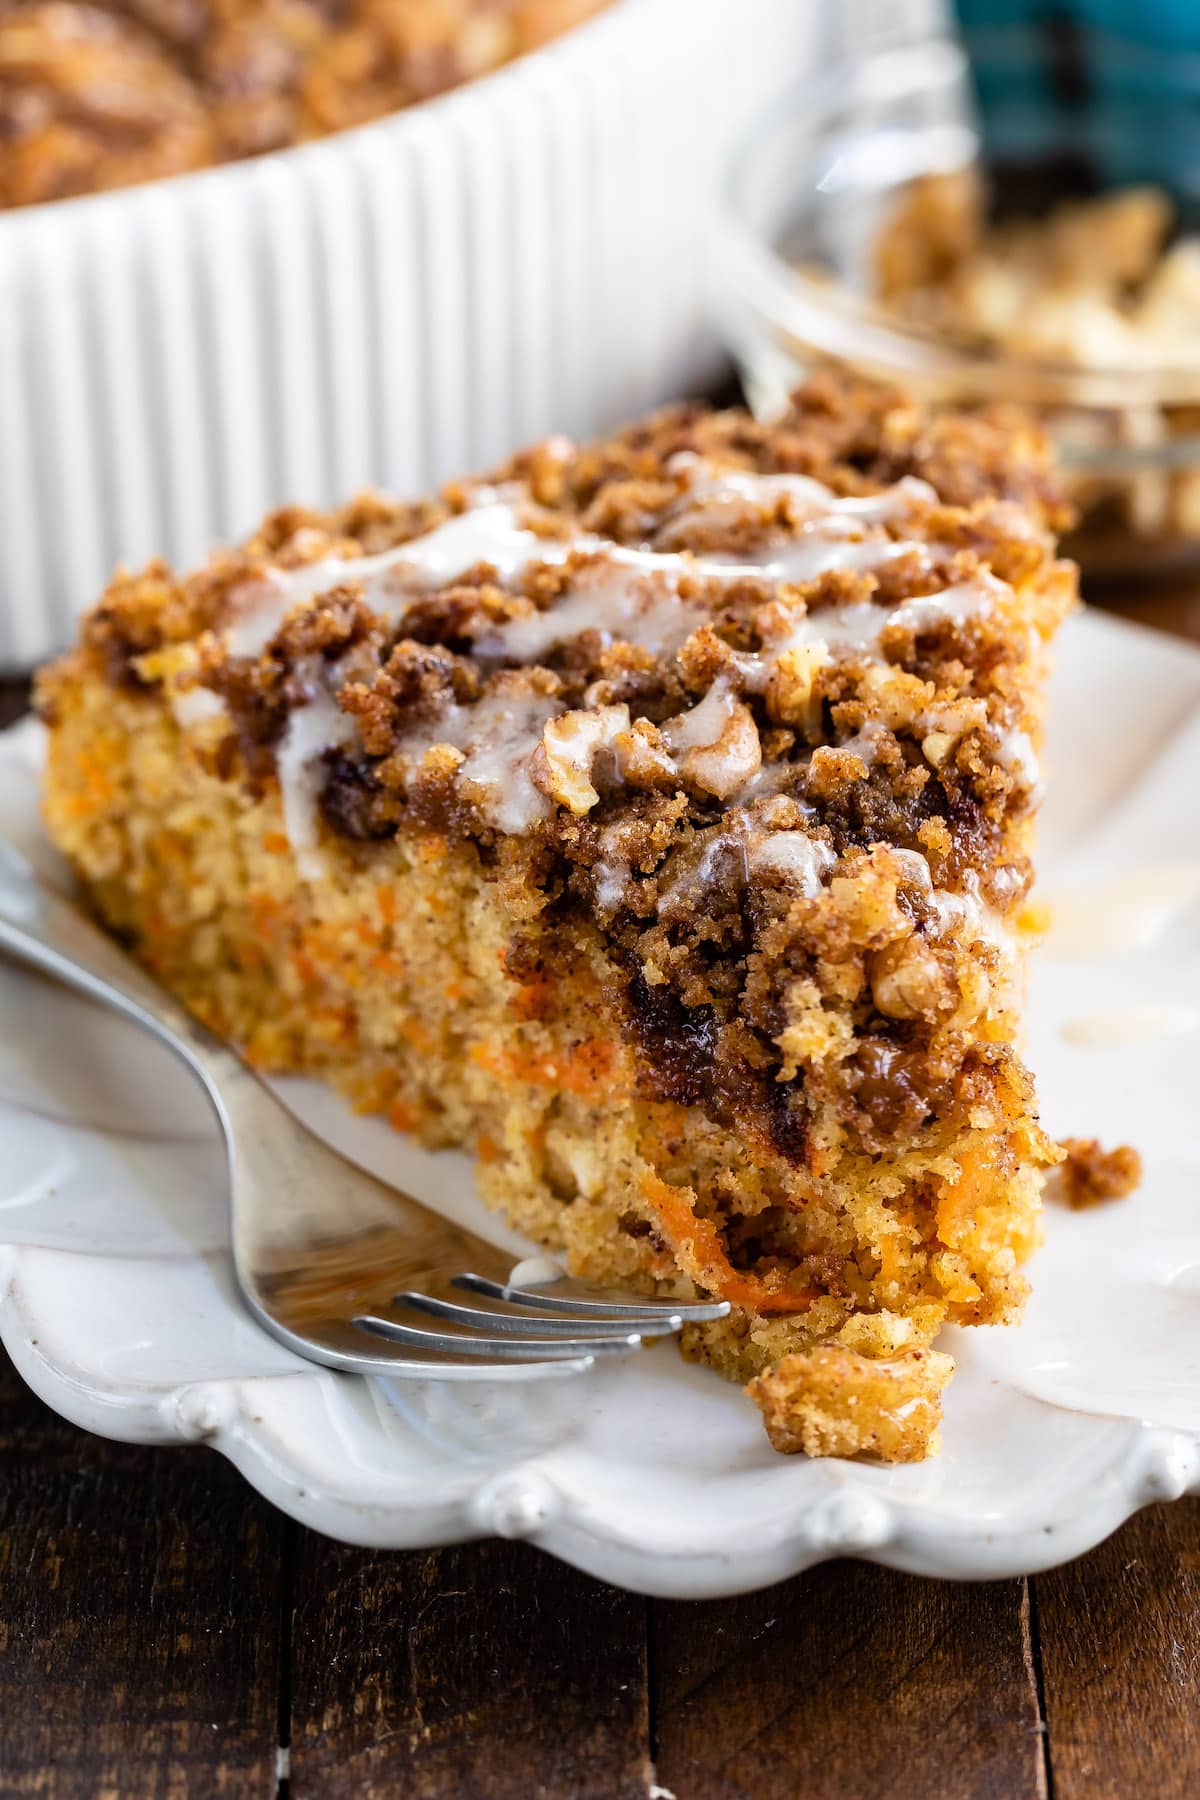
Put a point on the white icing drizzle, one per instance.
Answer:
(915, 866)
(736, 492)
(313, 728)
(852, 629)
(804, 861)
(497, 736)
(625, 594)
(489, 533)
(495, 739)
(633, 596)
(703, 724)
(954, 605)
(1015, 752)
(771, 778)
(831, 531)
(692, 881)
(611, 874)
(196, 706)
(800, 861)
(486, 533)
(498, 751)
(814, 553)
(866, 741)
(858, 627)
(962, 915)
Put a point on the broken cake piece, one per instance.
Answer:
(652, 817)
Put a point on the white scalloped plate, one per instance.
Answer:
(116, 1301)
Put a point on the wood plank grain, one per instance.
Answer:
(1173, 608)
(1120, 1652)
(140, 1619)
(482, 1672)
(849, 1680)
(14, 699)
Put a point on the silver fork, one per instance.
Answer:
(338, 1267)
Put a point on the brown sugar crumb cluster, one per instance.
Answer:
(1091, 1175)
(653, 816)
(106, 93)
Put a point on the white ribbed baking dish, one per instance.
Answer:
(391, 306)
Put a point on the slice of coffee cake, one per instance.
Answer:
(653, 818)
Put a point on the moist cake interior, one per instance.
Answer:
(652, 817)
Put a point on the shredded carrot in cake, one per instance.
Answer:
(698, 1247)
(584, 1069)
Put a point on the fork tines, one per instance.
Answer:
(531, 1324)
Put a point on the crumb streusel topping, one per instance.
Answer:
(704, 683)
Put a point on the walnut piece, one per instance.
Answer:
(909, 982)
(563, 762)
(791, 692)
(644, 760)
(1096, 284)
(722, 768)
(715, 743)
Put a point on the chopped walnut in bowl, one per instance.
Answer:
(874, 226)
(1108, 285)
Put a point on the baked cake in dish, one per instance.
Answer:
(652, 817)
(99, 94)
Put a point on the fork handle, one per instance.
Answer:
(40, 929)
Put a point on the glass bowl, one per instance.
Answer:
(811, 188)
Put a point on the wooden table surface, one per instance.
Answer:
(164, 1632)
